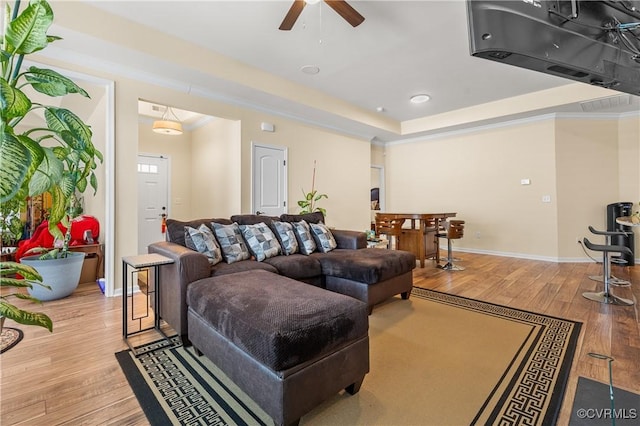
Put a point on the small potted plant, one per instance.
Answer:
(308, 204)
(57, 156)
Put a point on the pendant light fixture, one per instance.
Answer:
(169, 124)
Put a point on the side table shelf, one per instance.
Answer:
(132, 266)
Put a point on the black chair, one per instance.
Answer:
(606, 296)
(612, 279)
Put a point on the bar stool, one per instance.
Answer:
(389, 226)
(606, 296)
(453, 230)
(612, 280)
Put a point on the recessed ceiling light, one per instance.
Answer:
(310, 69)
(380, 109)
(419, 99)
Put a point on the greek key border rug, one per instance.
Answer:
(532, 388)
(174, 386)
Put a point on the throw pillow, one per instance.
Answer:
(323, 236)
(203, 241)
(284, 232)
(261, 241)
(230, 238)
(303, 232)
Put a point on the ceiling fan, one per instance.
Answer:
(342, 7)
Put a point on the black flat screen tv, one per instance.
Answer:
(595, 42)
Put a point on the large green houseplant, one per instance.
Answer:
(57, 156)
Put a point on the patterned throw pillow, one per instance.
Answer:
(261, 241)
(284, 231)
(303, 232)
(203, 241)
(323, 236)
(233, 247)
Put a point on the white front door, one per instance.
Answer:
(269, 180)
(153, 196)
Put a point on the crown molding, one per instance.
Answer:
(515, 122)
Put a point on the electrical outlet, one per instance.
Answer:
(478, 234)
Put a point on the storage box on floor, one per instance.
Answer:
(89, 268)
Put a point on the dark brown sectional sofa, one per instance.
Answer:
(289, 330)
(368, 274)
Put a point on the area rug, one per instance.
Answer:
(10, 337)
(592, 405)
(436, 359)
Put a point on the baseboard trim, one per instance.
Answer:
(525, 256)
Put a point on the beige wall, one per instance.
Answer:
(587, 178)
(342, 168)
(94, 205)
(629, 167)
(478, 176)
(582, 164)
(629, 158)
(215, 172)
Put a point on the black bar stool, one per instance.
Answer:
(612, 279)
(606, 296)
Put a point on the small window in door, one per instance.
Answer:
(147, 168)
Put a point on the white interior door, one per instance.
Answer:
(269, 180)
(153, 197)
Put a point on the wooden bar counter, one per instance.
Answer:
(420, 237)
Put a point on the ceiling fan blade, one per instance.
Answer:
(292, 15)
(346, 11)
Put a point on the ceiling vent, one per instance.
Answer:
(606, 103)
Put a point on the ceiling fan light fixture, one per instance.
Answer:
(419, 99)
(312, 1)
(166, 125)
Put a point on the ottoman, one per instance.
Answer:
(286, 344)
(371, 275)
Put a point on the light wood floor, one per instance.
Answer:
(71, 376)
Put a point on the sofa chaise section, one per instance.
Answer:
(286, 344)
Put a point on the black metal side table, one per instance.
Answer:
(135, 265)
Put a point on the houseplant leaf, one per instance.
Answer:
(28, 32)
(15, 160)
(49, 172)
(52, 83)
(13, 102)
(25, 271)
(25, 317)
(61, 119)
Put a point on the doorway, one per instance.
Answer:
(377, 191)
(98, 112)
(153, 199)
(269, 179)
